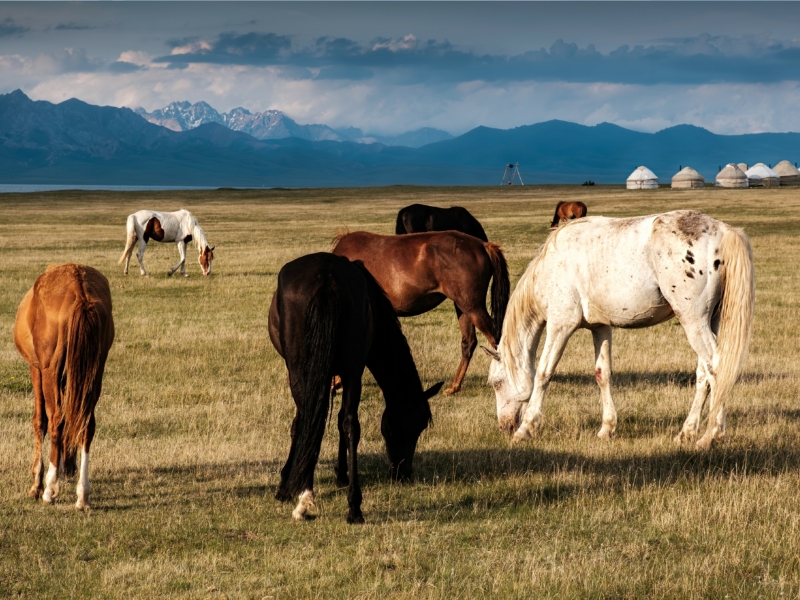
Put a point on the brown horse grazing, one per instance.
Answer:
(566, 211)
(419, 270)
(64, 330)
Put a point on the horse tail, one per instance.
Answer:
(584, 210)
(501, 288)
(84, 332)
(400, 227)
(322, 319)
(737, 306)
(130, 241)
(555, 217)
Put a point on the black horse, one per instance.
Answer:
(330, 317)
(419, 218)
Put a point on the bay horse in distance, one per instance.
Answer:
(600, 273)
(419, 218)
(64, 330)
(566, 211)
(330, 317)
(180, 227)
(419, 271)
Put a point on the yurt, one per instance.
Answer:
(788, 173)
(760, 175)
(642, 179)
(743, 167)
(731, 177)
(687, 178)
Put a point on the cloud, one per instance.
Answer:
(696, 60)
(73, 27)
(8, 28)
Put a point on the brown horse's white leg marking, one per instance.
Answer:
(83, 488)
(306, 502)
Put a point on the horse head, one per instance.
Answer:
(401, 426)
(205, 259)
(512, 399)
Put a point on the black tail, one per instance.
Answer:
(501, 287)
(555, 216)
(311, 388)
(400, 227)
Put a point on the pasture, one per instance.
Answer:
(193, 425)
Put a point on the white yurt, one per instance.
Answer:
(760, 175)
(642, 179)
(731, 176)
(687, 177)
(743, 167)
(788, 173)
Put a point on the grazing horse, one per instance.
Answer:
(64, 330)
(599, 273)
(566, 211)
(179, 226)
(418, 271)
(419, 218)
(330, 317)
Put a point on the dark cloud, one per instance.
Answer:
(698, 60)
(73, 27)
(122, 67)
(9, 28)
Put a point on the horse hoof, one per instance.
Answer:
(520, 436)
(82, 505)
(450, 391)
(185, 274)
(605, 434)
(356, 519)
(35, 492)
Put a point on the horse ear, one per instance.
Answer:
(493, 353)
(433, 390)
(212, 248)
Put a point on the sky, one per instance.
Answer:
(391, 67)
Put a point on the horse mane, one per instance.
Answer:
(199, 236)
(340, 233)
(523, 310)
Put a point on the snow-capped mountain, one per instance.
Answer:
(273, 124)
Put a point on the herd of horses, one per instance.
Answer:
(335, 313)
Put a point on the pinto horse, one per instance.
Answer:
(419, 218)
(599, 273)
(418, 271)
(566, 211)
(179, 226)
(330, 317)
(64, 330)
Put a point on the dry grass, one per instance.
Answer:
(193, 426)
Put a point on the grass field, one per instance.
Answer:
(193, 425)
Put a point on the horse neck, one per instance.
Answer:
(522, 320)
(199, 236)
(391, 363)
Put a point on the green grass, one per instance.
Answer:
(193, 425)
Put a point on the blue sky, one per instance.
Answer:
(386, 67)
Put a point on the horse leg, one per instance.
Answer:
(692, 424)
(481, 319)
(554, 344)
(351, 398)
(602, 373)
(181, 264)
(39, 431)
(83, 487)
(469, 342)
(52, 393)
(344, 442)
(140, 256)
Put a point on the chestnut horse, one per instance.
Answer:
(566, 211)
(419, 218)
(330, 317)
(418, 271)
(64, 330)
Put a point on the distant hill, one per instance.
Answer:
(78, 143)
(273, 125)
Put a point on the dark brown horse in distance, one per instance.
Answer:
(418, 271)
(329, 317)
(64, 330)
(419, 218)
(566, 211)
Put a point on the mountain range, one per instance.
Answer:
(274, 125)
(78, 143)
